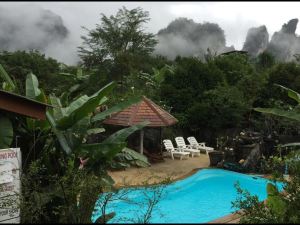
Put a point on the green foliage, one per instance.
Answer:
(265, 60)
(222, 107)
(214, 95)
(67, 198)
(285, 74)
(32, 84)
(253, 211)
(82, 106)
(6, 132)
(234, 67)
(190, 80)
(8, 84)
(70, 193)
(119, 107)
(280, 207)
(18, 64)
(118, 38)
(293, 114)
(128, 157)
(275, 201)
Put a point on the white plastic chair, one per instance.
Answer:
(187, 148)
(199, 145)
(174, 151)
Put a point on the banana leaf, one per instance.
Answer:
(58, 111)
(291, 144)
(76, 112)
(131, 157)
(121, 135)
(7, 79)
(100, 151)
(95, 131)
(74, 88)
(79, 73)
(110, 147)
(7, 87)
(61, 138)
(33, 124)
(32, 86)
(140, 159)
(117, 108)
(64, 97)
(294, 115)
(6, 132)
(291, 93)
(81, 126)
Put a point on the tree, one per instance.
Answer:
(118, 38)
(265, 60)
(18, 64)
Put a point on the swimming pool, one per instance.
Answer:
(200, 198)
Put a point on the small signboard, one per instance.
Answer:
(10, 185)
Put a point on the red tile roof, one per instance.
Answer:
(139, 112)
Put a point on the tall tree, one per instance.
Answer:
(118, 39)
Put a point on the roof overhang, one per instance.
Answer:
(21, 105)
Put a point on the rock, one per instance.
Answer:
(290, 27)
(284, 44)
(257, 40)
(185, 37)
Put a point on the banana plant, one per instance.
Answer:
(33, 91)
(78, 78)
(72, 124)
(158, 75)
(293, 114)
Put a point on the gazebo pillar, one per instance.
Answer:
(142, 141)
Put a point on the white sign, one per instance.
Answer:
(10, 185)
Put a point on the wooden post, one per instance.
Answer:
(160, 140)
(142, 141)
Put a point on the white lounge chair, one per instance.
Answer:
(199, 145)
(187, 148)
(174, 151)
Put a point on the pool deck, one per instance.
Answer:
(231, 218)
(170, 169)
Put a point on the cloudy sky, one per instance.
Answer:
(235, 18)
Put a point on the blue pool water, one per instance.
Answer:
(200, 198)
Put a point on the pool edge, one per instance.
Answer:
(230, 218)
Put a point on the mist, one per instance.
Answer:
(285, 43)
(185, 37)
(56, 32)
(33, 28)
(257, 40)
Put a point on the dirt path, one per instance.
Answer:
(172, 169)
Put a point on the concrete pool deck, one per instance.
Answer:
(157, 172)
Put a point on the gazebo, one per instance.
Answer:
(139, 112)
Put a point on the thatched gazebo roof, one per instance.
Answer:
(139, 112)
